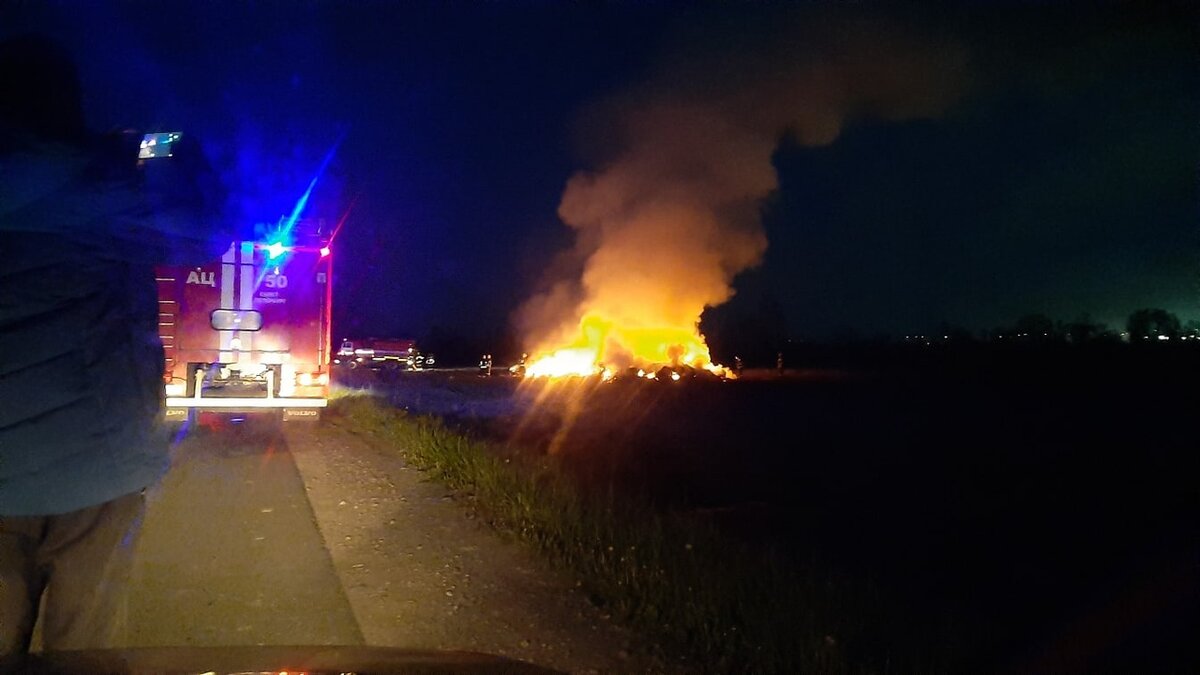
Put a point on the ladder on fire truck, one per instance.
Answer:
(168, 310)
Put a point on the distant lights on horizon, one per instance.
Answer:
(1123, 335)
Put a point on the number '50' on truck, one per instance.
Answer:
(249, 333)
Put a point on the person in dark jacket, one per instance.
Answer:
(81, 226)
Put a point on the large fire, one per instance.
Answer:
(604, 348)
(672, 211)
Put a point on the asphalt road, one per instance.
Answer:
(231, 553)
(316, 536)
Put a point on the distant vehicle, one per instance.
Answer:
(250, 332)
(382, 354)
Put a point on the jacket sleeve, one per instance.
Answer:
(161, 211)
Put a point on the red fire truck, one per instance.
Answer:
(250, 332)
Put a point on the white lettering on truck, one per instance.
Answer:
(203, 278)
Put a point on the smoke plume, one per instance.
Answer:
(673, 210)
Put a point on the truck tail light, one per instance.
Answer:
(309, 379)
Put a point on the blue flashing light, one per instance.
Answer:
(289, 221)
(283, 235)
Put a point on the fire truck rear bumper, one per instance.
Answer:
(292, 408)
(191, 402)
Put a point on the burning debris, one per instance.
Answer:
(606, 350)
(673, 213)
(666, 373)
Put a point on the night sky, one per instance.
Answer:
(1060, 178)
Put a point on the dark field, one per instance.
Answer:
(1011, 511)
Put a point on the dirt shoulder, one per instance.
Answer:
(421, 571)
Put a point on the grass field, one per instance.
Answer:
(706, 599)
(975, 517)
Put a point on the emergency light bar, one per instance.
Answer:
(277, 249)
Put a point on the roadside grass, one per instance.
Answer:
(706, 599)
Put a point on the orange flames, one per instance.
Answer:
(604, 348)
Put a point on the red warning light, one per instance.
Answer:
(325, 250)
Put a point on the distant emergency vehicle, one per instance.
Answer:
(385, 353)
(250, 332)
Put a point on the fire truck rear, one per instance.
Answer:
(250, 332)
